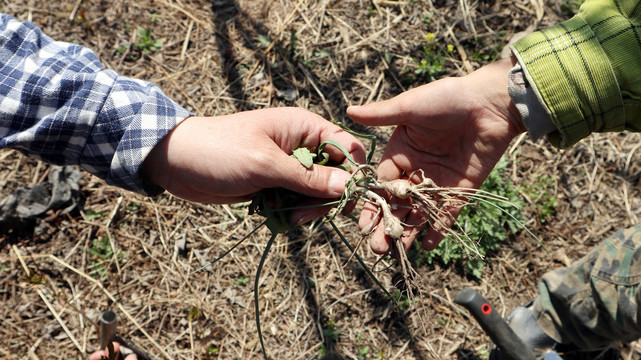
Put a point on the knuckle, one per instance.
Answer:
(314, 179)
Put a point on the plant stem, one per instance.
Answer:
(378, 283)
(232, 248)
(270, 242)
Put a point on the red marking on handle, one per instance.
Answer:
(486, 309)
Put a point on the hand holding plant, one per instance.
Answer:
(227, 159)
(452, 131)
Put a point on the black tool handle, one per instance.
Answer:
(108, 322)
(495, 326)
(107, 328)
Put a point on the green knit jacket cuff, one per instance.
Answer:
(572, 76)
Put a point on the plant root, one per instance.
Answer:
(438, 206)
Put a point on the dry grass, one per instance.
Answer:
(212, 62)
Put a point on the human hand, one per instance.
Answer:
(227, 159)
(104, 354)
(455, 130)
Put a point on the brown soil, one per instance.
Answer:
(224, 56)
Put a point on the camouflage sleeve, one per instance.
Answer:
(586, 70)
(595, 301)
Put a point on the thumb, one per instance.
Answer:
(412, 106)
(318, 181)
(394, 111)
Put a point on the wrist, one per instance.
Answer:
(513, 114)
(536, 117)
(492, 82)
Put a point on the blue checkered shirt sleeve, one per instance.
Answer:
(58, 104)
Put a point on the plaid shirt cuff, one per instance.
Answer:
(136, 116)
(58, 104)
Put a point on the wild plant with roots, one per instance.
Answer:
(437, 206)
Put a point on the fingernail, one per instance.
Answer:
(352, 108)
(337, 181)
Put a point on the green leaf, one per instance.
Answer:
(331, 333)
(143, 33)
(324, 53)
(362, 352)
(264, 40)
(324, 159)
(304, 156)
(212, 350)
(194, 313)
(93, 215)
(339, 147)
(32, 278)
(371, 138)
(241, 281)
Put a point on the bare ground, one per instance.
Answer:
(219, 57)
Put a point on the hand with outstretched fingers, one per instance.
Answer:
(455, 130)
(229, 158)
(104, 354)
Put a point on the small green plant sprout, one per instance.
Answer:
(194, 313)
(101, 248)
(120, 50)
(363, 352)
(331, 333)
(212, 350)
(264, 40)
(32, 278)
(241, 281)
(146, 42)
(402, 300)
(93, 215)
(133, 206)
(323, 352)
(540, 192)
(101, 252)
(430, 64)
